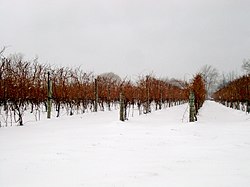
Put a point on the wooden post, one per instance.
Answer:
(109, 98)
(96, 96)
(191, 107)
(122, 108)
(248, 101)
(248, 107)
(49, 97)
(148, 103)
(161, 99)
(147, 94)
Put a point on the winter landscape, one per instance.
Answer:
(124, 93)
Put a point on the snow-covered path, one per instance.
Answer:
(157, 150)
(212, 112)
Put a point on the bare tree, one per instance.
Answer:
(246, 66)
(111, 77)
(2, 51)
(210, 76)
(232, 75)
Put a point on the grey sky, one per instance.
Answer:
(173, 38)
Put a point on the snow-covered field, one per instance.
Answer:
(154, 150)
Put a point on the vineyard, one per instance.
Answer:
(24, 87)
(235, 94)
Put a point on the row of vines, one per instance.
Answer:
(236, 94)
(199, 93)
(24, 87)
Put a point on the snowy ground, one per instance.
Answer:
(154, 150)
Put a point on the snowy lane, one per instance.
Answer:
(149, 150)
(212, 112)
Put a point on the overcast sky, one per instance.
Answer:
(171, 38)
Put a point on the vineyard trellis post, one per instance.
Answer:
(108, 100)
(248, 107)
(96, 96)
(122, 107)
(49, 97)
(191, 107)
(161, 97)
(147, 94)
(248, 99)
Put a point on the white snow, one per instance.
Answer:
(154, 150)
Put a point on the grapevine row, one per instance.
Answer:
(236, 94)
(23, 86)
